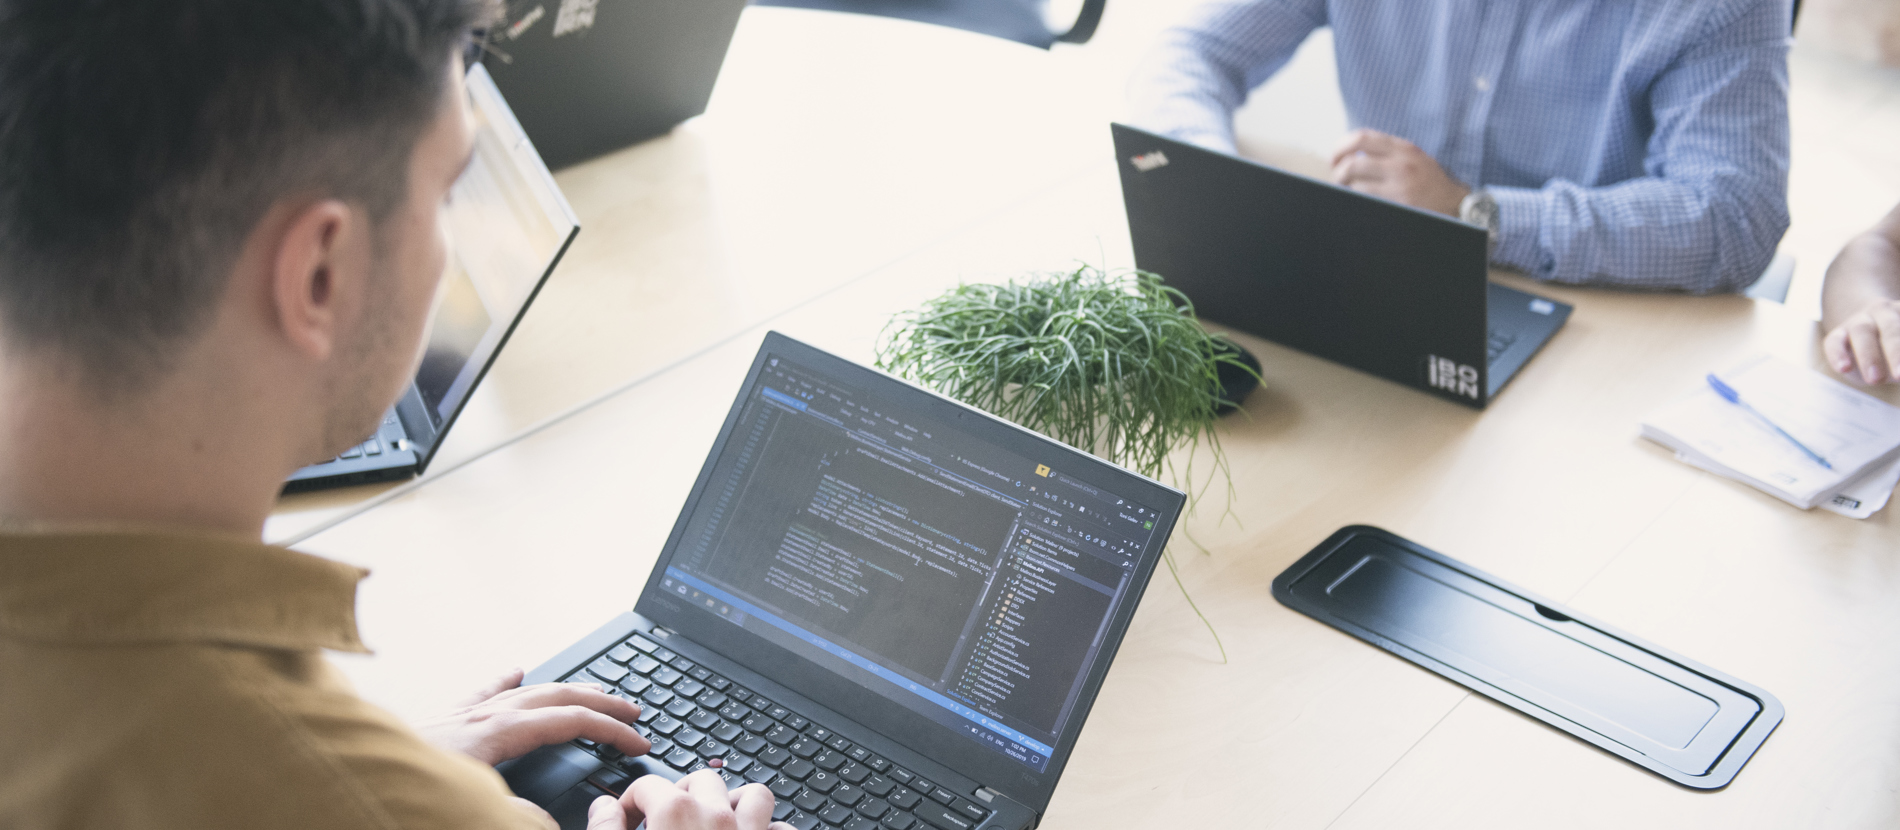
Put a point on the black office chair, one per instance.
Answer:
(1018, 20)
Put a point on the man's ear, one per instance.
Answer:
(315, 258)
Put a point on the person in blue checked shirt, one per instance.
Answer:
(1638, 144)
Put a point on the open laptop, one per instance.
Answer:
(589, 77)
(1388, 289)
(508, 227)
(890, 608)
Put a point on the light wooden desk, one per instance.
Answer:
(510, 557)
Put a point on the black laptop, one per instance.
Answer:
(1388, 289)
(592, 76)
(890, 608)
(509, 226)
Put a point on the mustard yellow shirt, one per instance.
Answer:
(151, 680)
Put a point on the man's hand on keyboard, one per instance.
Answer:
(697, 802)
(508, 720)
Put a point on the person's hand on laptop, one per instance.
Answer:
(1390, 167)
(508, 720)
(697, 802)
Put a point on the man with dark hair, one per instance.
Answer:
(219, 247)
(1621, 143)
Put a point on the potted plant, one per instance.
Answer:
(1112, 363)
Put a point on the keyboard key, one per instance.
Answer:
(844, 793)
(648, 713)
(859, 823)
(635, 684)
(904, 797)
(725, 731)
(798, 769)
(901, 775)
(760, 774)
(713, 700)
(699, 673)
(942, 817)
(821, 781)
(834, 814)
(739, 763)
(943, 796)
(735, 711)
(819, 733)
(643, 665)
(681, 758)
(838, 742)
(710, 748)
(608, 670)
(758, 724)
(803, 820)
(761, 704)
(622, 655)
(703, 719)
(681, 708)
(969, 808)
(803, 747)
(696, 766)
(751, 744)
(879, 786)
(689, 738)
(797, 722)
(780, 735)
(784, 787)
(732, 779)
(873, 807)
(663, 655)
(809, 801)
(782, 809)
(661, 746)
(642, 643)
(658, 696)
(828, 760)
(738, 694)
(923, 785)
(778, 712)
(854, 773)
(877, 763)
(859, 753)
(353, 452)
(667, 677)
(774, 756)
(682, 664)
(717, 682)
(665, 725)
(689, 688)
(897, 820)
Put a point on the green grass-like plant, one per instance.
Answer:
(1112, 363)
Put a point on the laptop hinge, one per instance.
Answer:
(1006, 811)
(662, 632)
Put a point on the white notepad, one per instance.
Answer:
(1858, 434)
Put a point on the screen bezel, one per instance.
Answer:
(921, 734)
(424, 429)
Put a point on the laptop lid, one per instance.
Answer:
(953, 581)
(508, 226)
(1379, 286)
(590, 77)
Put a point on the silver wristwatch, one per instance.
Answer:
(1481, 208)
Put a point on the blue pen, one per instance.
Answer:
(1729, 394)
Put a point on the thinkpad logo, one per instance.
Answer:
(1451, 376)
(1149, 161)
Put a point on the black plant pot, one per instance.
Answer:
(1235, 384)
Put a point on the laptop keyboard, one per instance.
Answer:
(698, 720)
(1496, 343)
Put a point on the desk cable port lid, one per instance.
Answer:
(1667, 714)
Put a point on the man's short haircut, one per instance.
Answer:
(141, 142)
